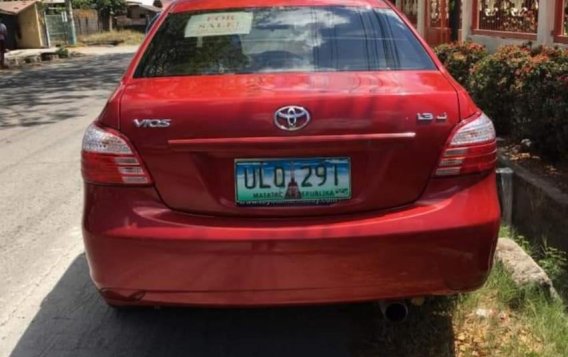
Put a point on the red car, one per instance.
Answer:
(267, 152)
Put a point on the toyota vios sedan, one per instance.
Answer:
(265, 152)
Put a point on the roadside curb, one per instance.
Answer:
(24, 61)
(522, 267)
(538, 208)
(103, 50)
(545, 185)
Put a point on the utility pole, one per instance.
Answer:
(69, 10)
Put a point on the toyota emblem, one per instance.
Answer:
(291, 118)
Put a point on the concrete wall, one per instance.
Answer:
(540, 210)
(494, 42)
(31, 29)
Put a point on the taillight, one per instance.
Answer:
(108, 158)
(472, 148)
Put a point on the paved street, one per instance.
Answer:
(48, 306)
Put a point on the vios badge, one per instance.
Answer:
(152, 123)
(291, 118)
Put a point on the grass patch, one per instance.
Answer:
(501, 319)
(554, 261)
(123, 37)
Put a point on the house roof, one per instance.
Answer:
(133, 3)
(15, 7)
(140, 2)
(165, 3)
(151, 8)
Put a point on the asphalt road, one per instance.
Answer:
(48, 306)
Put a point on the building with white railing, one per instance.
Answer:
(490, 22)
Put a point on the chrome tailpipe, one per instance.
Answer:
(394, 310)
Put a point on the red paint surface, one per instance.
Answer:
(184, 241)
(441, 244)
(228, 109)
(190, 5)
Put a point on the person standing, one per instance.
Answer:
(3, 39)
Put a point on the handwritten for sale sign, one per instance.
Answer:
(219, 24)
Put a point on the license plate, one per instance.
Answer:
(313, 181)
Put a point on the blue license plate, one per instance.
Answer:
(311, 181)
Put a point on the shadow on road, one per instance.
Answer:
(57, 91)
(73, 321)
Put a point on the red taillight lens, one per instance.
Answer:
(108, 158)
(471, 149)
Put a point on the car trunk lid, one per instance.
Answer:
(391, 125)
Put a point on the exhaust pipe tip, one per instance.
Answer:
(394, 311)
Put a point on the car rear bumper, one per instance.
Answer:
(141, 252)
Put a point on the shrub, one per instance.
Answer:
(493, 85)
(62, 52)
(459, 58)
(524, 89)
(541, 111)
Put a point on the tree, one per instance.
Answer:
(111, 6)
(82, 4)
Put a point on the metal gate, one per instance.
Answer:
(57, 29)
(437, 22)
(443, 21)
(410, 9)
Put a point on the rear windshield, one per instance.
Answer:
(284, 39)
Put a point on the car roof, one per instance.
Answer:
(190, 5)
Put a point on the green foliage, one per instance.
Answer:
(104, 6)
(541, 105)
(83, 4)
(524, 89)
(524, 243)
(525, 320)
(62, 52)
(521, 321)
(555, 262)
(493, 85)
(506, 291)
(112, 6)
(546, 318)
(459, 58)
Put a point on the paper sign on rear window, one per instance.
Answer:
(219, 24)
